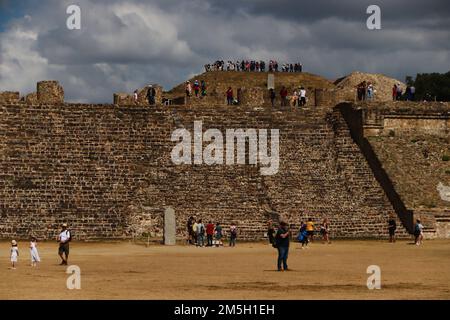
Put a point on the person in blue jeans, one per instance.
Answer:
(200, 234)
(282, 244)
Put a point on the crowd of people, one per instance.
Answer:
(198, 88)
(365, 91)
(213, 233)
(297, 98)
(279, 238)
(398, 94)
(253, 66)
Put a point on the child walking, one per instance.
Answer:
(14, 254)
(34, 252)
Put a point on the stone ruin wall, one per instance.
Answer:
(412, 142)
(106, 170)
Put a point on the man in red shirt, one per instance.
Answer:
(210, 233)
(283, 95)
(394, 92)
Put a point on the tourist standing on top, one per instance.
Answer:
(409, 93)
(196, 88)
(151, 95)
(394, 92)
(392, 226)
(135, 96)
(188, 89)
(399, 92)
(203, 88)
(283, 96)
(362, 88)
(282, 245)
(302, 101)
(412, 92)
(272, 96)
(294, 98)
(229, 95)
(369, 91)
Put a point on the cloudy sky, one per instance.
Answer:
(123, 45)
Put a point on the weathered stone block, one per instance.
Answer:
(31, 98)
(9, 96)
(123, 99)
(50, 92)
(169, 227)
(251, 96)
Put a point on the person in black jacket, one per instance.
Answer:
(392, 227)
(282, 244)
(151, 95)
(272, 96)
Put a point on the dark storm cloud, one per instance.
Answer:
(349, 10)
(126, 44)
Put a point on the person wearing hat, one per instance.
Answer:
(14, 254)
(63, 240)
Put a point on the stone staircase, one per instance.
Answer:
(436, 222)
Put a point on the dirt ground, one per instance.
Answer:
(129, 271)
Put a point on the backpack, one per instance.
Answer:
(417, 229)
(70, 235)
